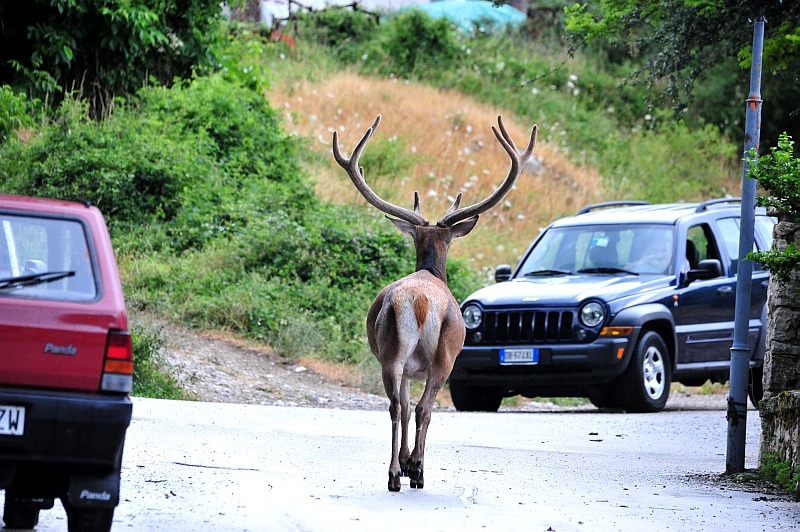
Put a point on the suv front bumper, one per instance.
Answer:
(67, 428)
(561, 368)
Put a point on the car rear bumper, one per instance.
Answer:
(67, 428)
(561, 369)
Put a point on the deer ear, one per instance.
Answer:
(406, 227)
(463, 228)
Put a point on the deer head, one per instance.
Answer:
(433, 242)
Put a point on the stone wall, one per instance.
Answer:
(780, 408)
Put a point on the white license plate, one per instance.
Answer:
(12, 420)
(519, 356)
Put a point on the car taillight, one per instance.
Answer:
(118, 363)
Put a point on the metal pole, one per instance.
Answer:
(740, 352)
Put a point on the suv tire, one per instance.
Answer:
(604, 399)
(468, 398)
(756, 388)
(644, 386)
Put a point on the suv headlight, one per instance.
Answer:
(472, 316)
(592, 314)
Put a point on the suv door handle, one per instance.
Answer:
(764, 284)
(724, 290)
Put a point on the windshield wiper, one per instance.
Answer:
(607, 270)
(34, 279)
(547, 272)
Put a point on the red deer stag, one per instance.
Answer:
(415, 327)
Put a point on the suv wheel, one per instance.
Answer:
(604, 398)
(644, 386)
(756, 388)
(468, 398)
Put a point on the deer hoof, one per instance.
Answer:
(394, 481)
(417, 479)
(405, 466)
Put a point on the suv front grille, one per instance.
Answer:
(527, 327)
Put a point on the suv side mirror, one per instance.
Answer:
(705, 269)
(502, 273)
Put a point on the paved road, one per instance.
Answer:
(220, 467)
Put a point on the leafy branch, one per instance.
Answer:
(778, 172)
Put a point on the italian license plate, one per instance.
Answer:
(12, 420)
(519, 356)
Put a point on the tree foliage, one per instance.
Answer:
(685, 41)
(778, 172)
(102, 48)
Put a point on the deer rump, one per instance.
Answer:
(408, 322)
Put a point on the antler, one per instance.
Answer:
(356, 174)
(518, 160)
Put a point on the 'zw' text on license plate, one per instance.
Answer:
(12, 420)
(519, 356)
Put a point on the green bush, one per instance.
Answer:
(15, 112)
(778, 172)
(103, 48)
(185, 155)
(335, 28)
(238, 56)
(413, 43)
(132, 166)
(150, 374)
(780, 472)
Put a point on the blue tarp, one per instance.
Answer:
(467, 13)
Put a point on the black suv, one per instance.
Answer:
(613, 304)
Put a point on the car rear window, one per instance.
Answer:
(45, 258)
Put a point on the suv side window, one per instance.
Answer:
(764, 226)
(730, 233)
(702, 240)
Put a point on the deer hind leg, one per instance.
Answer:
(405, 411)
(392, 384)
(423, 418)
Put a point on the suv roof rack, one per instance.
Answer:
(706, 204)
(605, 204)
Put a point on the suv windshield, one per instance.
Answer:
(46, 258)
(634, 249)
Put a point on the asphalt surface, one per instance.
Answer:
(210, 466)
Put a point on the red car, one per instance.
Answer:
(65, 363)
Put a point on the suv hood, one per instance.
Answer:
(566, 290)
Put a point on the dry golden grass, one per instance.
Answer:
(451, 139)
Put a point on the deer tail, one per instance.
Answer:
(421, 307)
